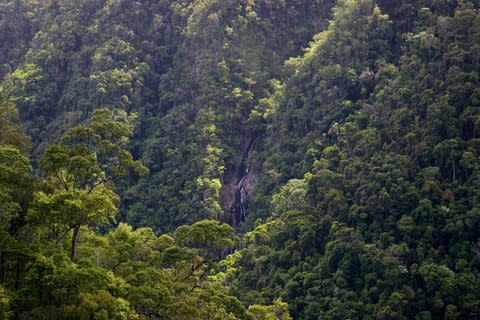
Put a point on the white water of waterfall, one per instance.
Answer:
(240, 213)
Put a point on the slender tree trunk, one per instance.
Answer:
(453, 166)
(17, 276)
(73, 252)
(2, 267)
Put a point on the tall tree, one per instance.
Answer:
(79, 171)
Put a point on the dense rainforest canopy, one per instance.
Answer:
(254, 159)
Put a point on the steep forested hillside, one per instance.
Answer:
(381, 219)
(193, 70)
(257, 159)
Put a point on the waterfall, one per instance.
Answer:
(243, 211)
(239, 213)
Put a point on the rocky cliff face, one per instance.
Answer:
(235, 193)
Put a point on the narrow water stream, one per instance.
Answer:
(239, 212)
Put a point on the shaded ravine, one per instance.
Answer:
(234, 195)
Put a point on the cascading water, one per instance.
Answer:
(243, 211)
(239, 212)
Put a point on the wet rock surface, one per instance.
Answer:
(234, 194)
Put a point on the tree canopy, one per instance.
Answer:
(258, 159)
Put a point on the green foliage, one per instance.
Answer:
(16, 178)
(79, 172)
(192, 70)
(4, 304)
(278, 311)
(59, 290)
(12, 133)
(166, 276)
(371, 161)
(365, 149)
